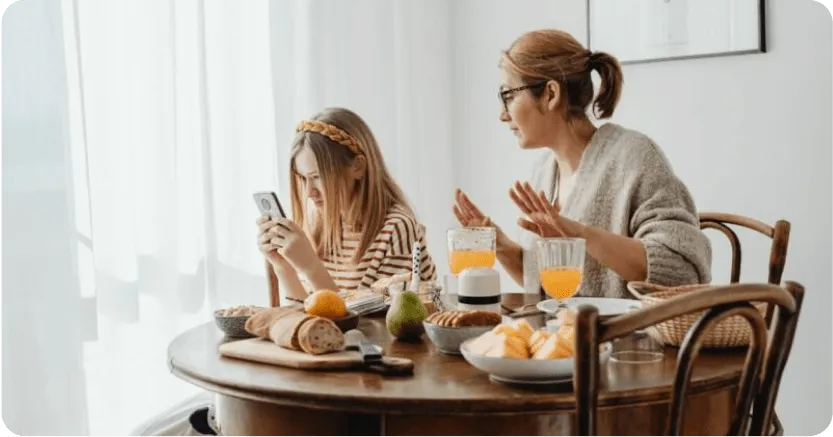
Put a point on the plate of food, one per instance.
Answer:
(516, 352)
(608, 306)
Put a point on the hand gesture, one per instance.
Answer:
(467, 213)
(544, 218)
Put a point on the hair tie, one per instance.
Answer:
(333, 133)
(592, 60)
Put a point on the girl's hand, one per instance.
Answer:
(291, 243)
(267, 246)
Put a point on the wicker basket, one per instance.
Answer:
(731, 332)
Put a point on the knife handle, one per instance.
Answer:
(392, 366)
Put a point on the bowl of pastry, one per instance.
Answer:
(449, 329)
(232, 321)
(516, 353)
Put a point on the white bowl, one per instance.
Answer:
(448, 339)
(525, 369)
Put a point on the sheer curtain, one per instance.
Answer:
(176, 111)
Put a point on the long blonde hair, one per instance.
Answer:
(337, 136)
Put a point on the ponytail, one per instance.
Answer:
(610, 88)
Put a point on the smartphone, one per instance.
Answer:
(268, 204)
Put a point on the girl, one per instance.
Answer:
(352, 225)
(609, 185)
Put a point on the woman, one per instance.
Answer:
(609, 185)
(352, 226)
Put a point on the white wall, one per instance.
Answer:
(748, 134)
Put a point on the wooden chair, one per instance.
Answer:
(780, 235)
(765, 360)
(272, 279)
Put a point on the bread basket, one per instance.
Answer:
(731, 332)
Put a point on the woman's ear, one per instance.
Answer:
(359, 167)
(553, 95)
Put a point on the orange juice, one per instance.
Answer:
(561, 282)
(460, 260)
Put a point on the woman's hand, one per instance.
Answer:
(544, 218)
(286, 245)
(467, 213)
(469, 216)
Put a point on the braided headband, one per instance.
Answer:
(334, 133)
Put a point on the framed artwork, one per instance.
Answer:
(637, 31)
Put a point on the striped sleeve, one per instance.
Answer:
(397, 259)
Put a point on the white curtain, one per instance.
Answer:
(176, 112)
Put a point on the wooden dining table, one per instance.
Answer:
(445, 395)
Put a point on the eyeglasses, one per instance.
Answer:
(503, 95)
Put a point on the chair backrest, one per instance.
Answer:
(780, 235)
(763, 367)
(274, 292)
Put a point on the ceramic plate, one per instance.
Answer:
(524, 369)
(530, 382)
(607, 306)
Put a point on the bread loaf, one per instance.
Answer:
(320, 336)
(261, 322)
(284, 332)
(293, 329)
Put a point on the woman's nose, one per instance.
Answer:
(504, 116)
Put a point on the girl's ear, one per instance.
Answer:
(359, 167)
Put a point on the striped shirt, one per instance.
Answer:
(389, 254)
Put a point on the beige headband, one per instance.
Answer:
(334, 133)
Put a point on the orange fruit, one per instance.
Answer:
(325, 303)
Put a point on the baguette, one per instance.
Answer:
(260, 323)
(284, 332)
(320, 336)
(293, 329)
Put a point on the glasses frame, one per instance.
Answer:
(502, 95)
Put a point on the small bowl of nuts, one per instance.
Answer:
(232, 321)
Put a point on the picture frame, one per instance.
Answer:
(640, 31)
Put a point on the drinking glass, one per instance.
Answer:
(561, 267)
(471, 247)
(638, 347)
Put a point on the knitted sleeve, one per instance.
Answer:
(665, 220)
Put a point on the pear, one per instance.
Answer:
(405, 316)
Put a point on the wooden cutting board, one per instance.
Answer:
(267, 352)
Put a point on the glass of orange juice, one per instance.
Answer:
(471, 247)
(561, 266)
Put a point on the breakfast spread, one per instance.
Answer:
(519, 340)
(237, 311)
(457, 319)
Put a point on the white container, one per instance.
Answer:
(478, 289)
